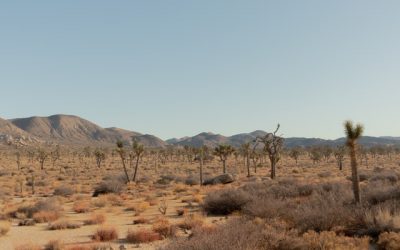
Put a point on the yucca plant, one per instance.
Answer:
(353, 133)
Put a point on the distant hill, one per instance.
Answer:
(213, 140)
(73, 130)
(69, 129)
(11, 134)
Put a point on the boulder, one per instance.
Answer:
(220, 179)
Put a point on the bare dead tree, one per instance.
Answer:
(273, 145)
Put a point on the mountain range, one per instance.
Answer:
(73, 130)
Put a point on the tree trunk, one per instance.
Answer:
(340, 165)
(354, 174)
(201, 171)
(136, 168)
(224, 166)
(125, 171)
(248, 165)
(273, 164)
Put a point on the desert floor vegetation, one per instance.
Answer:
(308, 205)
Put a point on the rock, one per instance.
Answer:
(220, 179)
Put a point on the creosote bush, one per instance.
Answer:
(105, 233)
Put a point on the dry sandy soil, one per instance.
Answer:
(142, 200)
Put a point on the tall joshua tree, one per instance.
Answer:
(138, 150)
(223, 152)
(353, 134)
(273, 145)
(122, 155)
(245, 149)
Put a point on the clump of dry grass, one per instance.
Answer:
(140, 220)
(389, 241)
(95, 219)
(4, 227)
(191, 221)
(54, 245)
(46, 216)
(142, 236)
(81, 207)
(329, 240)
(164, 228)
(105, 233)
(63, 224)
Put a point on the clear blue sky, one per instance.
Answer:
(176, 68)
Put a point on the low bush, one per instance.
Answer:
(224, 202)
(95, 219)
(64, 191)
(142, 236)
(4, 227)
(389, 241)
(105, 233)
(63, 224)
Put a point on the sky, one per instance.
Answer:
(178, 68)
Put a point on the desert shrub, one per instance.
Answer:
(385, 176)
(105, 233)
(27, 222)
(382, 217)
(164, 228)
(81, 207)
(224, 202)
(142, 236)
(325, 174)
(140, 220)
(112, 186)
(95, 219)
(114, 200)
(329, 240)
(46, 216)
(4, 227)
(181, 211)
(236, 234)
(192, 181)
(64, 191)
(191, 221)
(54, 245)
(63, 224)
(379, 192)
(389, 241)
(140, 207)
(324, 212)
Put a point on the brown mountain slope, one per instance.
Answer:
(75, 130)
(11, 134)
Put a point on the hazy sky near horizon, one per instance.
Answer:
(177, 68)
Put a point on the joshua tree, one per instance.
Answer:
(273, 145)
(315, 154)
(189, 153)
(202, 154)
(100, 156)
(18, 159)
(339, 153)
(55, 155)
(138, 150)
(245, 149)
(294, 153)
(326, 152)
(122, 155)
(41, 157)
(223, 152)
(353, 134)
